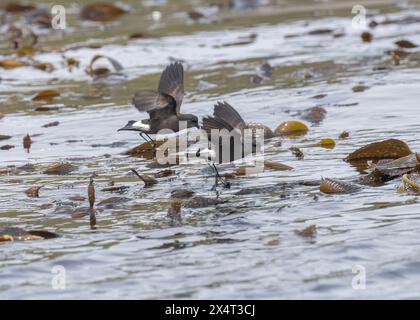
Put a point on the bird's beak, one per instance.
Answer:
(127, 127)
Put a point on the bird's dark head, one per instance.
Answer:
(132, 125)
(128, 126)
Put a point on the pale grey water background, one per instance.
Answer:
(219, 252)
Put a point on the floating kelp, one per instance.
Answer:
(148, 180)
(314, 115)
(276, 166)
(112, 202)
(398, 167)
(385, 170)
(101, 11)
(201, 202)
(182, 194)
(60, 169)
(297, 153)
(118, 189)
(4, 137)
(387, 149)
(321, 31)
(46, 95)
(51, 124)
(91, 193)
(291, 129)
(261, 190)
(242, 41)
(33, 192)
(145, 150)
(12, 64)
(405, 44)
(174, 212)
(18, 234)
(359, 88)
(308, 232)
(366, 36)
(268, 133)
(326, 143)
(44, 66)
(27, 142)
(16, 7)
(331, 186)
(410, 182)
(7, 147)
(164, 173)
(344, 135)
(102, 72)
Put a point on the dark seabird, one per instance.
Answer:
(226, 118)
(163, 105)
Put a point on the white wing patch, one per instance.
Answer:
(141, 126)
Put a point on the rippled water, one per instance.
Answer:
(223, 251)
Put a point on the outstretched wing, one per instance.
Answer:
(148, 101)
(171, 84)
(225, 111)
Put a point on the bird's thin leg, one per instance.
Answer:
(146, 137)
(219, 178)
(216, 180)
(153, 143)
